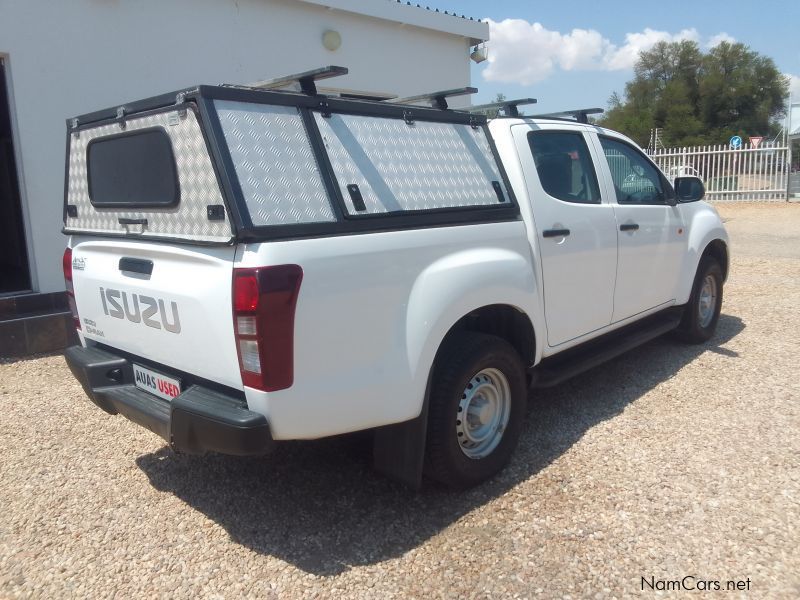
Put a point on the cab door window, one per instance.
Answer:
(636, 180)
(565, 166)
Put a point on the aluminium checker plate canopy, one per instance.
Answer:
(267, 157)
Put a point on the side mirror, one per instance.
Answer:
(689, 189)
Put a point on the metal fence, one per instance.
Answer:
(747, 173)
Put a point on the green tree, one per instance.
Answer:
(699, 98)
(492, 113)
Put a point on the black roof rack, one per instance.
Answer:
(305, 80)
(436, 99)
(581, 115)
(510, 107)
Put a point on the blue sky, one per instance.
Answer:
(541, 55)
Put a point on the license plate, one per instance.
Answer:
(156, 383)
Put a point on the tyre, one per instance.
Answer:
(701, 313)
(476, 409)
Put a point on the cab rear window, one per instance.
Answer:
(135, 169)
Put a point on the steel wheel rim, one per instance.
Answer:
(483, 413)
(707, 302)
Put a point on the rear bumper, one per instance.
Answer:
(199, 420)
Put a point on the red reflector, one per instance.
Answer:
(66, 264)
(245, 291)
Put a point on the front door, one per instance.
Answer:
(575, 229)
(652, 237)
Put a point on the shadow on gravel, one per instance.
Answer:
(319, 506)
(10, 360)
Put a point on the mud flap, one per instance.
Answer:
(399, 450)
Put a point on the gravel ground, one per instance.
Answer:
(669, 461)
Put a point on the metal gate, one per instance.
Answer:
(746, 173)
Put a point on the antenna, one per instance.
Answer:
(509, 107)
(305, 81)
(581, 115)
(437, 99)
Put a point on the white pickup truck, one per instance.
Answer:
(247, 266)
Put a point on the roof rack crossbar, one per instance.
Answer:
(509, 107)
(436, 99)
(581, 115)
(305, 80)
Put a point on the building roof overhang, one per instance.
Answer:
(406, 13)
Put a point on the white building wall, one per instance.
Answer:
(74, 56)
(794, 119)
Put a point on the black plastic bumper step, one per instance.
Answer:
(199, 420)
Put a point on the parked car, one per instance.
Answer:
(246, 267)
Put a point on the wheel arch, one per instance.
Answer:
(482, 287)
(399, 450)
(707, 237)
(502, 320)
(718, 250)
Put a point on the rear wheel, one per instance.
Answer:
(477, 405)
(701, 313)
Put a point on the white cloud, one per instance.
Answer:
(526, 53)
(626, 56)
(716, 40)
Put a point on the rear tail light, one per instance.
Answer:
(264, 301)
(66, 263)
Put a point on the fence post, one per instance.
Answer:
(789, 167)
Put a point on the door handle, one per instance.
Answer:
(629, 227)
(127, 221)
(548, 233)
(136, 265)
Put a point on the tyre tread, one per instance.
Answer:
(689, 330)
(457, 357)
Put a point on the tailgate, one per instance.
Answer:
(169, 304)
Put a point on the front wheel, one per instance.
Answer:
(701, 313)
(477, 406)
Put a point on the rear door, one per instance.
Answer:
(575, 228)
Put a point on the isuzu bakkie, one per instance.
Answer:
(250, 265)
